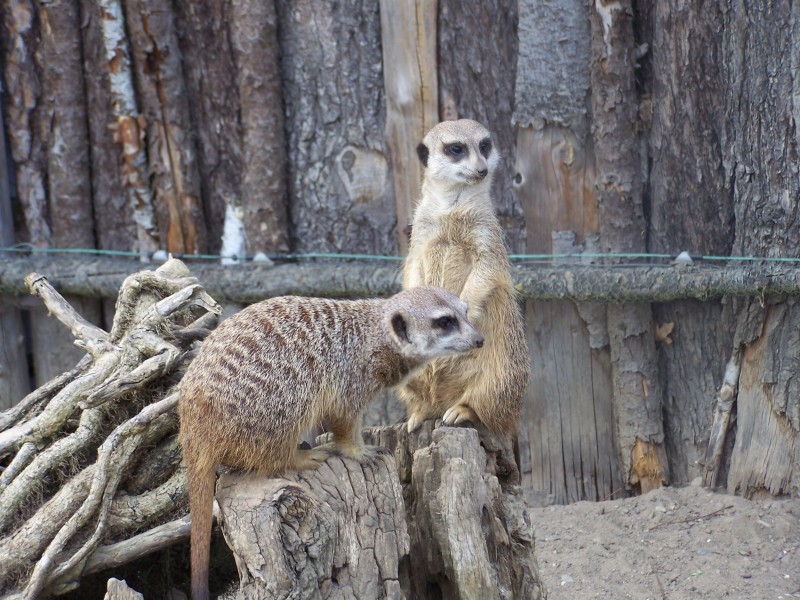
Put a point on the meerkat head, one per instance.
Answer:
(425, 322)
(459, 152)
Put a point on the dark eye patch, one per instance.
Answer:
(445, 323)
(456, 150)
(485, 147)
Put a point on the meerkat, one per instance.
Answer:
(456, 243)
(283, 365)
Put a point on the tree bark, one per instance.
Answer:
(14, 382)
(476, 81)
(760, 59)
(65, 134)
(410, 67)
(691, 209)
(567, 446)
(102, 277)
(172, 164)
(460, 490)
(638, 394)
(213, 95)
(338, 159)
(254, 38)
(113, 214)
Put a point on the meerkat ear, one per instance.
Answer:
(399, 327)
(422, 152)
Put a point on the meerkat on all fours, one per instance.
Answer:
(456, 243)
(281, 366)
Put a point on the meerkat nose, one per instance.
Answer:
(483, 172)
(479, 342)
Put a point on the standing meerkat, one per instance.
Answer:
(456, 243)
(281, 366)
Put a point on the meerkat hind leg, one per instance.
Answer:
(458, 414)
(347, 440)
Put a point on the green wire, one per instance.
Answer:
(28, 248)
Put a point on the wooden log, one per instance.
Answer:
(567, 446)
(344, 528)
(760, 169)
(638, 392)
(101, 277)
(461, 490)
(690, 207)
(264, 203)
(20, 31)
(161, 91)
(478, 83)
(337, 530)
(409, 45)
(113, 214)
(128, 125)
(14, 381)
(212, 91)
(340, 184)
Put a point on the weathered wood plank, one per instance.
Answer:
(14, 382)
(567, 434)
(761, 162)
(340, 184)
(691, 208)
(408, 42)
(171, 156)
(638, 391)
(476, 81)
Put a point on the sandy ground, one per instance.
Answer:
(673, 543)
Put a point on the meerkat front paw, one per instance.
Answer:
(458, 414)
(308, 459)
(415, 421)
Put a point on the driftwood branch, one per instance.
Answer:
(78, 456)
(251, 282)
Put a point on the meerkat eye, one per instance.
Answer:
(445, 323)
(485, 147)
(455, 150)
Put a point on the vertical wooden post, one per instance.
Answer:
(14, 383)
(161, 91)
(638, 393)
(408, 39)
(567, 445)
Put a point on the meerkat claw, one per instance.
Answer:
(458, 414)
(414, 422)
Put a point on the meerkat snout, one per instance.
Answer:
(458, 152)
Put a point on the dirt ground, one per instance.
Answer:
(672, 543)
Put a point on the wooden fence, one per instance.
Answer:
(266, 127)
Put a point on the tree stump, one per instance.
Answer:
(445, 519)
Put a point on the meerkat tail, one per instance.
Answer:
(201, 498)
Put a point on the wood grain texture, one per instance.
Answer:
(476, 81)
(171, 154)
(14, 383)
(760, 58)
(340, 181)
(638, 391)
(691, 208)
(408, 43)
(213, 96)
